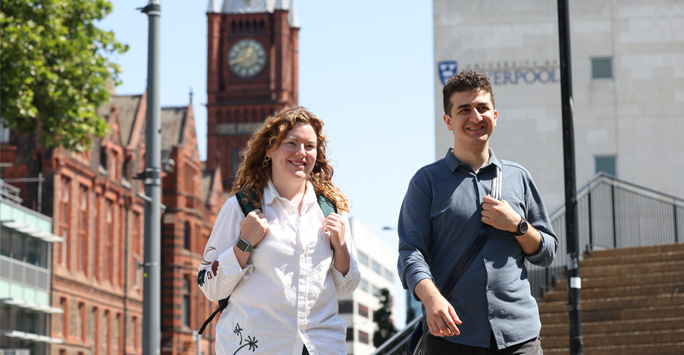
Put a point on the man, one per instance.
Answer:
(491, 310)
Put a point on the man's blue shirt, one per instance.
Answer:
(438, 221)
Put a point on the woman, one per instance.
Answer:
(284, 291)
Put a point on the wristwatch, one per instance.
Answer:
(522, 227)
(244, 245)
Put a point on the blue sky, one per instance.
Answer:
(365, 68)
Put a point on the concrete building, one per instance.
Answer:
(628, 84)
(378, 267)
(25, 273)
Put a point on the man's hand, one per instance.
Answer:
(499, 214)
(440, 315)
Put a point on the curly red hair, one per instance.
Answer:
(254, 171)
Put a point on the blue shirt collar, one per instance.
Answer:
(453, 163)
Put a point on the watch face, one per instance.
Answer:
(247, 58)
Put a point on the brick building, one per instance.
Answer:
(193, 198)
(93, 200)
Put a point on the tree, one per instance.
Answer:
(54, 69)
(383, 318)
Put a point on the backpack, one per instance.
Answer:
(245, 199)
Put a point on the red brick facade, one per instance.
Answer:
(92, 198)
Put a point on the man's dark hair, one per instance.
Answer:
(465, 81)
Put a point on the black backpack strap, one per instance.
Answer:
(245, 199)
(222, 305)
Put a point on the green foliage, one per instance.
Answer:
(55, 69)
(383, 318)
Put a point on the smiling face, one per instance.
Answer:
(472, 119)
(295, 157)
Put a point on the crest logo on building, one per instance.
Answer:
(447, 69)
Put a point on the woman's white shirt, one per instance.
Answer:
(286, 296)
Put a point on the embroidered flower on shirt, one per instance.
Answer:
(200, 277)
(251, 342)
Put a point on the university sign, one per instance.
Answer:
(505, 75)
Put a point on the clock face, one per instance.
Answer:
(247, 58)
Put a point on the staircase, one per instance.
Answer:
(632, 303)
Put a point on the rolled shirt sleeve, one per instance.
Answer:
(414, 231)
(220, 270)
(346, 284)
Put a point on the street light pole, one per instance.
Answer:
(571, 220)
(152, 179)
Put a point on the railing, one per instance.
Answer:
(612, 213)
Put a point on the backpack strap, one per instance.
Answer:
(246, 199)
(327, 205)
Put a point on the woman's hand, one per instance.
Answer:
(335, 228)
(254, 227)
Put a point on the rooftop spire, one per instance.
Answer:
(213, 6)
(292, 17)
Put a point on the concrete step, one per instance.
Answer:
(624, 280)
(634, 259)
(594, 328)
(643, 313)
(674, 348)
(649, 249)
(644, 336)
(561, 294)
(617, 303)
(632, 269)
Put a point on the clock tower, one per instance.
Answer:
(251, 73)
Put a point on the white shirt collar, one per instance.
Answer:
(270, 194)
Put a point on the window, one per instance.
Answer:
(116, 343)
(363, 311)
(345, 306)
(376, 291)
(363, 285)
(363, 258)
(80, 322)
(363, 337)
(606, 164)
(135, 245)
(106, 335)
(186, 235)
(136, 338)
(602, 68)
(103, 158)
(6, 242)
(65, 316)
(108, 241)
(350, 334)
(389, 276)
(186, 303)
(4, 132)
(377, 268)
(83, 230)
(63, 253)
(95, 330)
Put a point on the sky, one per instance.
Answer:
(365, 68)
